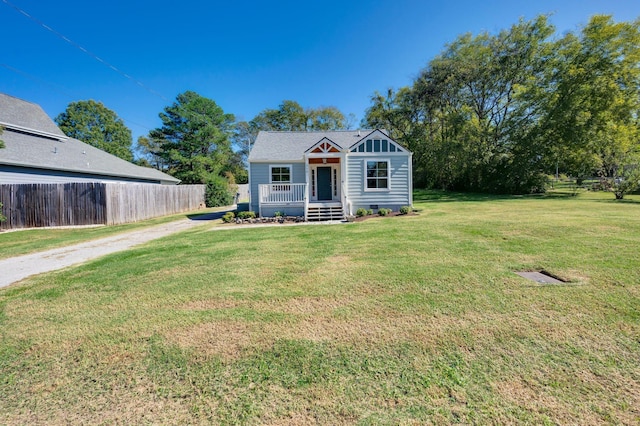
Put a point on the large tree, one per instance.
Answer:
(464, 116)
(289, 116)
(94, 124)
(150, 153)
(194, 143)
(499, 112)
(592, 101)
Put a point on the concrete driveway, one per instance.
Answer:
(15, 269)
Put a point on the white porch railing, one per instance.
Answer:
(283, 193)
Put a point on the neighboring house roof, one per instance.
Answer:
(291, 146)
(33, 140)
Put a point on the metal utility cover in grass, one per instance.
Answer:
(540, 277)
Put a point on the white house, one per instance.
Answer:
(328, 175)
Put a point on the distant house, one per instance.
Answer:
(37, 151)
(328, 175)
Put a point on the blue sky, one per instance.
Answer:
(245, 55)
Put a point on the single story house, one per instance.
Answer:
(328, 175)
(37, 151)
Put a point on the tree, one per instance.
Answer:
(195, 143)
(593, 102)
(466, 116)
(326, 118)
(244, 135)
(1, 141)
(290, 116)
(150, 151)
(94, 124)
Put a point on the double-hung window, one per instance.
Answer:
(377, 175)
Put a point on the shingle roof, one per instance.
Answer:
(29, 149)
(26, 114)
(291, 146)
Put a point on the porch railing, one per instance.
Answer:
(283, 193)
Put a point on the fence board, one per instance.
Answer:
(89, 203)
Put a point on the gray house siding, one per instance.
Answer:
(18, 175)
(259, 175)
(399, 183)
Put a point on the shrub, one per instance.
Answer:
(2, 217)
(370, 212)
(405, 209)
(228, 217)
(361, 212)
(246, 215)
(278, 214)
(217, 192)
(384, 212)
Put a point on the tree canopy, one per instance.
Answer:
(194, 145)
(94, 124)
(289, 116)
(499, 112)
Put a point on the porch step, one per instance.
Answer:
(327, 212)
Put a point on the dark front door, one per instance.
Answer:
(324, 183)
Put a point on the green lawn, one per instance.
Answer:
(24, 241)
(401, 320)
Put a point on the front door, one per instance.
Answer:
(324, 183)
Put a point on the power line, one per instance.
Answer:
(87, 52)
(38, 80)
(93, 55)
(61, 90)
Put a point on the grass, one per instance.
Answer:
(19, 242)
(403, 320)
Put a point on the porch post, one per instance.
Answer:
(307, 186)
(346, 210)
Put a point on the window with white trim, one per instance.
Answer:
(377, 175)
(280, 175)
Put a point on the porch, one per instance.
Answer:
(292, 199)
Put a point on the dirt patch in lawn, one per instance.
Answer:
(226, 339)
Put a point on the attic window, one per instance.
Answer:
(377, 145)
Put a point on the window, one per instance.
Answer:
(377, 175)
(279, 176)
(376, 145)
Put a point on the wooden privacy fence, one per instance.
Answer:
(130, 203)
(90, 203)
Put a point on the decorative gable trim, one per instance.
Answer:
(324, 146)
